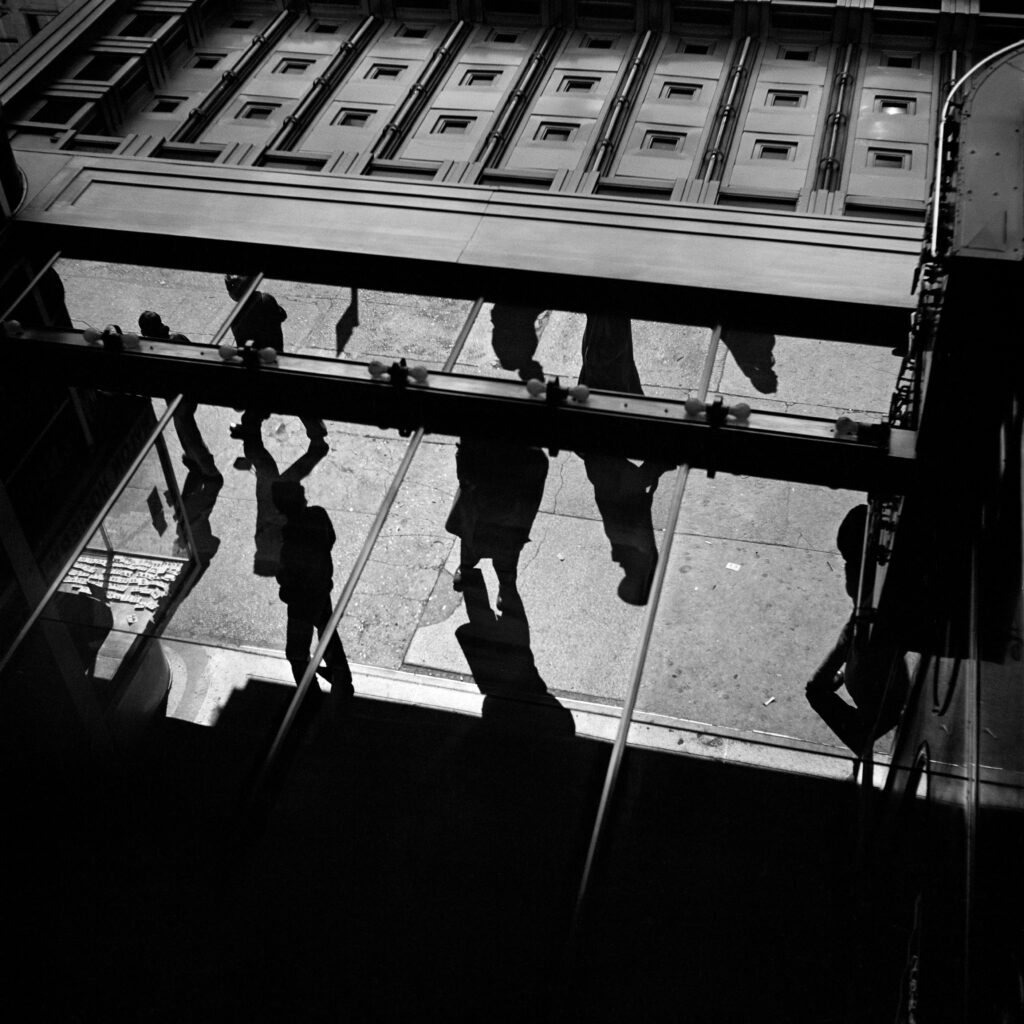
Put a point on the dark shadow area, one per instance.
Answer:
(418, 863)
(347, 323)
(753, 352)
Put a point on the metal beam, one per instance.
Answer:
(772, 445)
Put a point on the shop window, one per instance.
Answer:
(889, 159)
(386, 72)
(770, 149)
(549, 131)
(293, 66)
(680, 92)
(786, 98)
(480, 78)
(452, 125)
(663, 142)
(895, 105)
(100, 68)
(205, 61)
(257, 111)
(165, 104)
(413, 31)
(576, 84)
(354, 118)
(900, 60)
(801, 53)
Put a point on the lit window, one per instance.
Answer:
(552, 132)
(895, 105)
(205, 61)
(766, 149)
(257, 111)
(889, 159)
(664, 142)
(386, 71)
(453, 125)
(680, 91)
(786, 98)
(293, 66)
(480, 78)
(575, 84)
(353, 118)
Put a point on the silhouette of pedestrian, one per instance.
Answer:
(195, 454)
(875, 678)
(269, 520)
(258, 325)
(500, 490)
(514, 339)
(623, 491)
(305, 579)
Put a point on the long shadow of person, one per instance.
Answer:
(198, 496)
(875, 676)
(753, 352)
(497, 650)
(305, 576)
(500, 490)
(268, 519)
(514, 339)
(623, 491)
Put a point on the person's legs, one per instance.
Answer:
(251, 424)
(468, 559)
(195, 452)
(338, 673)
(316, 430)
(298, 638)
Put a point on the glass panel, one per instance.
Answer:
(610, 353)
(361, 324)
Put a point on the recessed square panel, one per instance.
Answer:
(773, 149)
(165, 104)
(504, 37)
(101, 68)
(900, 59)
(895, 105)
(793, 98)
(293, 66)
(697, 49)
(386, 72)
(798, 53)
(680, 92)
(205, 61)
(598, 42)
(577, 84)
(449, 125)
(664, 142)
(480, 78)
(889, 159)
(413, 31)
(324, 28)
(257, 111)
(351, 118)
(552, 131)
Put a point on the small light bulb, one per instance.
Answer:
(268, 356)
(845, 425)
(536, 387)
(580, 393)
(694, 406)
(419, 374)
(377, 369)
(228, 353)
(131, 342)
(91, 335)
(740, 411)
(13, 329)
